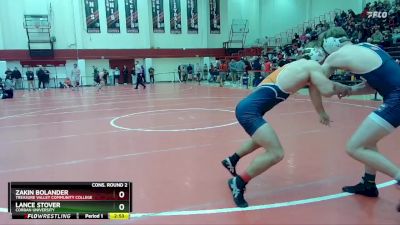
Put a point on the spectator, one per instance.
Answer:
(30, 78)
(133, 75)
(190, 72)
(96, 79)
(257, 75)
(387, 40)
(17, 78)
(46, 78)
(241, 67)
(182, 73)
(76, 77)
(205, 72)
(198, 73)
(377, 37)
(116, 74)
(8, 89)
(139, 75)
(125, 73)
(106, 75)
(143, 74)
(100, 80)
(223, 70)
(41, 78)
(396, 36)
(151, 74)
(267, 67)
(8, 72)
(67, 83)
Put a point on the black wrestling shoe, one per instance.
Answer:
(238, 187)
(229, 166)
(366, 189)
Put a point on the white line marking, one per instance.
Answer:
(253, 208)
(29, 114)
(250, 208)
(113, 121)
(337, 102)
(111, 157)
(74, 98)
(222, 210)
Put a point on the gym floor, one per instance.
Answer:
(169, 139)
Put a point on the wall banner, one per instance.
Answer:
(157, 8)
(92, 16)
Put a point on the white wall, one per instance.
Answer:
(319, 7)
(280, 15)
(120, 40)
(1, 36)
(183, 40)
(247, 10)
(266, 18)
(69, 26)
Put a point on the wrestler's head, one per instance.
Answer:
(333, 39)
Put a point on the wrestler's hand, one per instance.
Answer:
(341, 90)
(324, 118)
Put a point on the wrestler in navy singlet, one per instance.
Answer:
(386, 81)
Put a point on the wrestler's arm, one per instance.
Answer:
(340, 60)
(362, 89)
(316, 99)
(325, 86)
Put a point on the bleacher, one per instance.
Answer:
(394, 51)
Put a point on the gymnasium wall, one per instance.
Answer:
(247, 10)
(280, 15)
(70, 28)
(320, 7)
(265, 17)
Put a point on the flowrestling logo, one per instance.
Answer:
(375, 14)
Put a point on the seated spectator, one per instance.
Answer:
(8, 88)
(387, 40)
(68, 83)
(377, 37)
(396, 36)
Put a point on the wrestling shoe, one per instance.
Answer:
(363, 188)
(229, 166)
(238, 187)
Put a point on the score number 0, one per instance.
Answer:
(121, 206)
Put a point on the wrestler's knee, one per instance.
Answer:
(277, 154)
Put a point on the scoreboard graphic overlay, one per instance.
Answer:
(70, 200)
